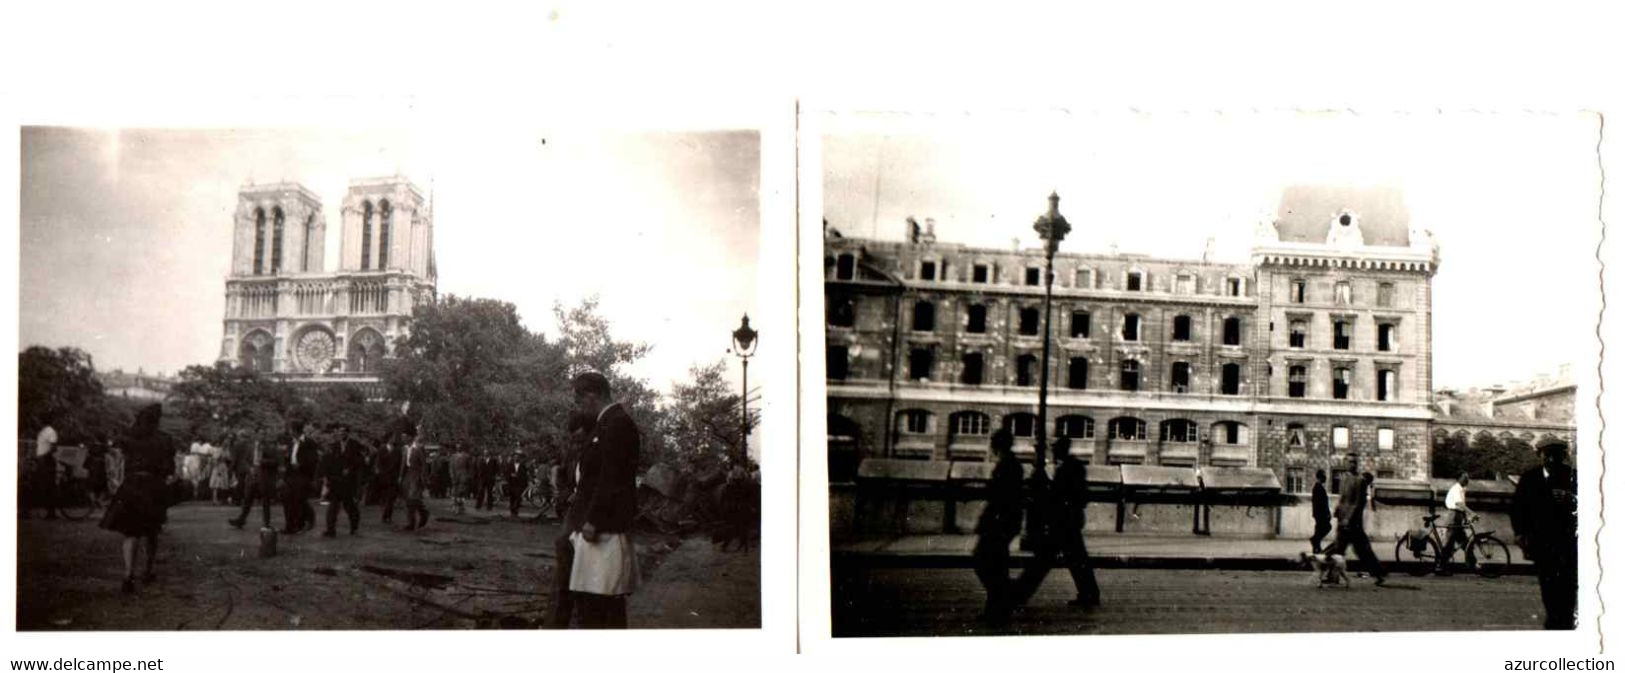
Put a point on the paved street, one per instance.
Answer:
(940, 601)
(476, 570)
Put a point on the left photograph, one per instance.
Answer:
(392, 379)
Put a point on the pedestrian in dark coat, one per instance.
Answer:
(304, 459)
(1350, 513)
(414, 481)
(604, 570)
(997, 527)
(141, 505)
(1546, 523)
(517, 476)
(386, 476)
(1322, 509)
(261, 484)
(342, 466)
(1063, 503)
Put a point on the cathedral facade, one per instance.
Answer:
(286, 314)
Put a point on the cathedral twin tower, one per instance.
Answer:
(287, 314)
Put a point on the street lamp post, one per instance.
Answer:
(1053, 228)
(744, 347)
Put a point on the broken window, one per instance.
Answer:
(1130, 379)
(1297, 380)
(1131, 327)
(1343, 293)
(1230, 432)
(1385, 295)
(976, 319)
(1026, 370)
(928, 270)
(836, 363)
(978, 273)
(1340, 437)
(1075, 427)
(1180, 378)
(1340, 383)
(925, 316)
(1184, 284)
(1077, 373)
(971, 374)
(1385, 337)
(919, 364)
(1179, 430)
(1230, 379)
(1295, 436)
(1297, 291)
(1342, 334)
(1232, 331)
(1233, 287)
(1028, 322)
(845, 266)
(1182, 328)
(1134, 280)
(1299, 334)
(916, 421)
(1126, 427)
(1080, 324)
(842, 312)
(1387, 383)
(1385, 439)
(1034, 276)
(1021, 424)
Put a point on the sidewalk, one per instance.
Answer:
(1114, 550)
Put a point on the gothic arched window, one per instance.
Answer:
(310, 232)
(366, 235)
(276, 239)
(259, 241)
(384, 212)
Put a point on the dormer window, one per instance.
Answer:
(1134, 281)
(1034, 275)
(1085, 278)
(928, 270)
(1232, 287)
(1297, 292)
(845, 266)
(979, 273)
(1184, 284)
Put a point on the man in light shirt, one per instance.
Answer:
(45, 468)
(1456, 503)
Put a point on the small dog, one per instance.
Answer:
(1330, 569)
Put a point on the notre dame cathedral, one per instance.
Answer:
(287, 314)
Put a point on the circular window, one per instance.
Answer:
(314, 350)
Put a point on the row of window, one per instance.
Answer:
(973, 366)
(843, 313)
(384, 214)
(278, 220)
(1297, 437)
(1342, 334)
(1072, 426)
(1342, 293)
(1133, 280)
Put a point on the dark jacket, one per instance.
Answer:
(1320, 504)
(387, 467)
(1002, 516)
(1545, 509)
(310, 457)
(1070, 494)
(606, 496)
(517, 474)
(343, 465)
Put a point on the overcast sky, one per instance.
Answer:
(1511, 198)
(126, 234)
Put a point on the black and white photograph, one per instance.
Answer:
(388, 379)
(1136, 373)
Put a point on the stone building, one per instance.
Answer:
(1538, 413)
(1317, 348)
(286, 314)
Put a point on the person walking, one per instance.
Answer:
(45, 469)
(1320, 506)
(1350, 513)
(261, 487)
(459, 477)
(141, 505)
(342, 467)
(414, 475)
(304, 455)
(604, 569)
(220, 479)
(1063, 504)
(517, 475)
(996, 528)
(1455, 502)
(1546, 524)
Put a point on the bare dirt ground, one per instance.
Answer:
(467, 571)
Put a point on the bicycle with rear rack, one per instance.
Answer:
(1419, 550)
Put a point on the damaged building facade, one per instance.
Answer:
(1318, 348)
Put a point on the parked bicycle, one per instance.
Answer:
(1422, 550)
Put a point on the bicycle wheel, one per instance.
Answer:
(1492, 556)
(1417, 563)
(75, 500)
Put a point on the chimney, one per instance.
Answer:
(930, 230)
(912, 230)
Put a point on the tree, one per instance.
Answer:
(702, 419)
(59, 386)
(217, 401)
(1451, 455)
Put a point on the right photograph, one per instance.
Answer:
(1208, 373)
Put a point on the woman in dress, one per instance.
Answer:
(220, 481)
(141, 505)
